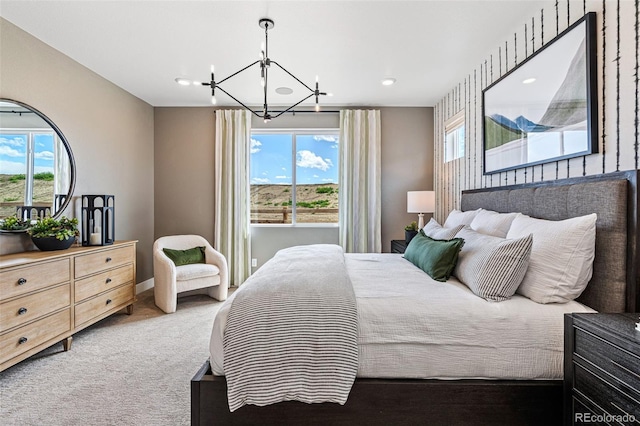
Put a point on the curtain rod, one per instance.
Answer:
(299, 112)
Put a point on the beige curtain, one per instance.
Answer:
(360, 181)
(233, 133)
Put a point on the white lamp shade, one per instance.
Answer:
(421, 201)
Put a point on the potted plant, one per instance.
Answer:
(51, 234)
(14, 224)
(410, 231)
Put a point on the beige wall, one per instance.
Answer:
(184, 197)
(407, 165)
(109, 130)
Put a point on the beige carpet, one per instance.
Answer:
(124, 370)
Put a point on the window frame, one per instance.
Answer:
(452, 125)
(294, 132)
(29, 162)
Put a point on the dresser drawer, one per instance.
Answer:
(102, 260)
(604, 394)
(24, 338)
(95, 284)
(20, 311)
(92, 308)
(18, 281)
(623, 365)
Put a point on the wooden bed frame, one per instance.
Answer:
(478, 402)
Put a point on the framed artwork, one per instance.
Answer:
(546, 108)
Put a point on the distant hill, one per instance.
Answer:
(310, 196)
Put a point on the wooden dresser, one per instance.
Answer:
(46, 297)
(602, 369)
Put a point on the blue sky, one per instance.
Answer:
(13, 153)
(271, 162)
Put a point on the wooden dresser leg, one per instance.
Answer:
(66, 343)
(130, 309)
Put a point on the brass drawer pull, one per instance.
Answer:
(108, 301)
(22, 311)
(108, 280)
(22, 281)
(22, 340)
(108, 259)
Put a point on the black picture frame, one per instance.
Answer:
(546, 108)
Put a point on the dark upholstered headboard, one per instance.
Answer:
(615, 285)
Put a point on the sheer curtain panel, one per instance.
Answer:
(360, 181)
(233, 132)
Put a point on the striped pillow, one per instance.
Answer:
(492, 267)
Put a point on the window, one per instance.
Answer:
(454, 137)
(294, 176)
(26, 169)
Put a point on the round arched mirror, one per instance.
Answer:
(37, 169)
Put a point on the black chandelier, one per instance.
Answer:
(265, 63)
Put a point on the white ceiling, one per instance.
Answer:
(143, 45)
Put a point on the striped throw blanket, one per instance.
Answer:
(292, 331)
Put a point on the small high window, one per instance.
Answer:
(454, 137)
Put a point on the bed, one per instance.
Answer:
(495, 394)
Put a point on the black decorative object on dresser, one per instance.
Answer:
(398, 246)
(601, 369)
(98, 221)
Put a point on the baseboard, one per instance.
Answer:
(144, 285)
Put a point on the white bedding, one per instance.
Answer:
(411, 326)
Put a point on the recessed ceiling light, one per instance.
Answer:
(388, 81)
(529, 80)
(284, 90)
(183, 81)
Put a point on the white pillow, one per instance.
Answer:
(492, 267)
(562, 256)
(457, 217)
(434, 230)
(493, 223)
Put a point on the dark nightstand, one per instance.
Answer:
(601, 369)
(398, 246)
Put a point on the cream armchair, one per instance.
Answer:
(169, 279)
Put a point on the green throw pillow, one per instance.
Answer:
(185, 257)
(437, 258)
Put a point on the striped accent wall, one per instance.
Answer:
(617, 56)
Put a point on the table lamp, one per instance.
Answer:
(421, 202)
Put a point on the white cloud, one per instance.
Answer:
(42, 169)
(309, 159)
(265, 174)
(10, 152)
(255, 145)
(334, 146)
(281, 177)
(328, 180)
(316, 176)
(17, 141)
(44, 155)
(11, 167)
(325, 138)
(284, 169)
(259, 181)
